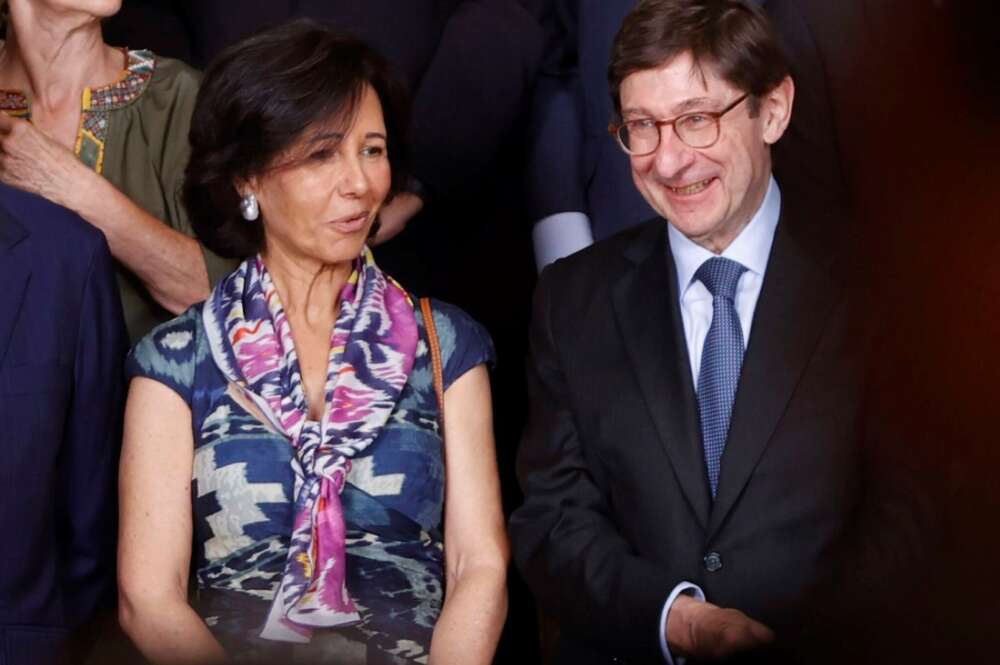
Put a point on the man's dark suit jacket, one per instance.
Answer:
(62, 343)
(617, 504)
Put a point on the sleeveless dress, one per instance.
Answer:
(242, 501)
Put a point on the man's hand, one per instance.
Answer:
(32, 161)
(701, 630)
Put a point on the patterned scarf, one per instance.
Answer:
(372, 349)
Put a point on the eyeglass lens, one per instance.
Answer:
(695, 129)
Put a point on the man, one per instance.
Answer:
(62, 344)
(691, 455)
(578, 184)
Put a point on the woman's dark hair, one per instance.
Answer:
(260, 97)
(733, 37)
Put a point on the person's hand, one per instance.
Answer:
(394, 215)
(32, 161)
(701, 630)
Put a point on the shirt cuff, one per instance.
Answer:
(560, 235)
(690, 589)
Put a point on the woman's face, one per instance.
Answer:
(318, 203)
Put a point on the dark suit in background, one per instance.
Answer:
(62, 344)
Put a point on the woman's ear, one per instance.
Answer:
(244, 186)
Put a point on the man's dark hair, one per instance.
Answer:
(732, 37)
(258, 99)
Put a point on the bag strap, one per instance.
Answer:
(435, 348)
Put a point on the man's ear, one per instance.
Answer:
(776, 109)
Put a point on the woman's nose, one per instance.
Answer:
(352, 180)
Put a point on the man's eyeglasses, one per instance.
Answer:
(698, 129)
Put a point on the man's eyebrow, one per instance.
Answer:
(635, 113)
(691, 104)
(694, 103)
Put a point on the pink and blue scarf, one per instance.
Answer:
(372, 348)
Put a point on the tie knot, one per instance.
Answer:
(720, 276)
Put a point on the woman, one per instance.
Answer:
(277, 446)
(117, 159)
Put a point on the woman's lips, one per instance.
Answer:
(351, 224)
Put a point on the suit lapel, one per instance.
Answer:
(647, 309)
(15, 272)
(794, 307)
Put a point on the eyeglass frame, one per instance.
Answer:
(615, 129)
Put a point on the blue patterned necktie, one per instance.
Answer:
(721, 359)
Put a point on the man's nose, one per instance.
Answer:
(672, 156)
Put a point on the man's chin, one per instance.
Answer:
(697, 229)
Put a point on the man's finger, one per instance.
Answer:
(761, 633)
(736, 633)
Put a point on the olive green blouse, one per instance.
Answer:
(135, 132)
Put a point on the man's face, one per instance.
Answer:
(709, 194)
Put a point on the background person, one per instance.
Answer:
(62, 345)
(303, 446)
(117, 159)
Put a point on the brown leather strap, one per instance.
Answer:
(435, 348)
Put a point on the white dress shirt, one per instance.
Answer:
(751, 248)
(560, 235)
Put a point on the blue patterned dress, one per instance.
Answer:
(242, 493)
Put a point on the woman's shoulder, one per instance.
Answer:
(171, 86)
(464, 342)
(160, 92)
(169, 73)
(170, 353)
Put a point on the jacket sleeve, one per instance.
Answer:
(88, 460)
(565, 539)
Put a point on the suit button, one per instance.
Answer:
(713, 562)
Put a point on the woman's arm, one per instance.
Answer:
(154, 539)
(170, 264)
(475, 541)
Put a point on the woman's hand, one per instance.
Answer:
(169, 263)
(32, 161)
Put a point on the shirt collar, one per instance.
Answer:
(751, 247)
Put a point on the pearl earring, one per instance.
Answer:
(249, 207)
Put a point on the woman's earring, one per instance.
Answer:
(249, 207)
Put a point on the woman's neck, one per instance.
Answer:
(309, 290)
(54, 55)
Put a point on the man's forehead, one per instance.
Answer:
(679, 84)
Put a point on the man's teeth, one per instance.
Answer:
(692, 189)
